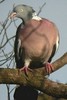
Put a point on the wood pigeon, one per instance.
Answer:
(37, 40)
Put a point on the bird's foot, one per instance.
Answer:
(26, 69)
(49, 68)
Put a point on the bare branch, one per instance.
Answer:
(7, 41)
(38, 80)
(1, 1)
(7, 57)
(8, 87)
(41, 8)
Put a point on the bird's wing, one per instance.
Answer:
(19, 51)
(56, 45)
(53, 53)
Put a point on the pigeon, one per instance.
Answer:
(37, 39)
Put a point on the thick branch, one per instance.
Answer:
(36, 79)
(56, 65)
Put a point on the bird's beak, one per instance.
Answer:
(12, 15)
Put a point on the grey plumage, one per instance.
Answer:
(24, 12)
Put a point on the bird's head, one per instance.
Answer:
(23, 11)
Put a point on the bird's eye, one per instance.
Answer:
(21, 10)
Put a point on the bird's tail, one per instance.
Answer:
(26, 93)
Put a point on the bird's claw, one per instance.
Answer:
(49, 68)
(26, 69)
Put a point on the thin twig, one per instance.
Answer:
(1, 1)
(8, 93)
(41, 8)
(7, 41)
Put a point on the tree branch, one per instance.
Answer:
(36, 79)
(2, 1)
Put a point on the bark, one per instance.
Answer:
(37, 79)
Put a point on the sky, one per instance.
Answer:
(54, 10)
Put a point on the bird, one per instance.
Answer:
(37, 39)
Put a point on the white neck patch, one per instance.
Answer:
(34, 16)
(37, 18)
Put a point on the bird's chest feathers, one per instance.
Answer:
(33, 39)
(33, 48)
(33, 45)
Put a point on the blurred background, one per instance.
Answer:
(54, 10)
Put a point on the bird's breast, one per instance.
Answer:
(35, 46)
(38, 38)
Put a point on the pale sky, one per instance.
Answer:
(54, 10)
